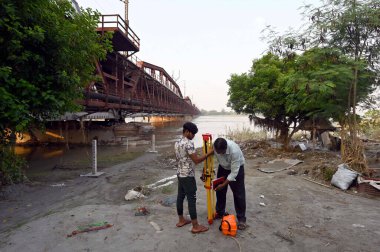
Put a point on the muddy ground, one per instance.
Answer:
(298, 215)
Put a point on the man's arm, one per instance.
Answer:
(196, 159)
(221, 186)
(235, 166)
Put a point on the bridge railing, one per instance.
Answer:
(134, 59)
(115, 21)
(160, 75)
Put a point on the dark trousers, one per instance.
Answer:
(187, 186)
(238, 191)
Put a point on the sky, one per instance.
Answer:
(203, 42)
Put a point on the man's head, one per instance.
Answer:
(189, 130)
(220, 145)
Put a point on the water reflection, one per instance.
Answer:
(55, 163)
(43, 160)
(218, 126)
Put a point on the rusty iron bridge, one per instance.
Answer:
(128, 86)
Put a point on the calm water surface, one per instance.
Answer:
(44, 160)
(219, 126)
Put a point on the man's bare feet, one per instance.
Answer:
(199, 229)
(183, 223)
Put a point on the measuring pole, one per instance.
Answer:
(94, 162)
(94, 157)
(153, 149)
(209, 174)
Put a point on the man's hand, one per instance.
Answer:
(219, 187)
(222, 185)
(203, 178)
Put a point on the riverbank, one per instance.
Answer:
(298, 215)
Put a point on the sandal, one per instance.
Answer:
(242, 226)
(183, 224)
(201, 229)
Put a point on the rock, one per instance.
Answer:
(132, 194)
(300, 156)
(156, 227)
(169, 201)
(292, 172)
(358, 225)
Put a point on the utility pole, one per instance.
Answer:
(126, 3)
(126, 19)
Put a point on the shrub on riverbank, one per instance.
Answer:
(11, 167)
(245, 134)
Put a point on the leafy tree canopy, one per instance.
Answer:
(47, 56)
(349, 26)
(284, 92)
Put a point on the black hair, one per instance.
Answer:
(220, 144)
(189, 126)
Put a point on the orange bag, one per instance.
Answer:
(228, 225)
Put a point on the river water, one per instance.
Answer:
(54, 163)
(220, 126)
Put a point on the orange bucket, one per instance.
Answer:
(228, 225)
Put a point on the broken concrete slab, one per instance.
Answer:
(277, 165)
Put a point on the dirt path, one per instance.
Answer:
(298, 216)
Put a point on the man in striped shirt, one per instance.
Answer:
(187, 186)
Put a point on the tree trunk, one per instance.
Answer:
(352, 148)
(354, 123)
(284, 137)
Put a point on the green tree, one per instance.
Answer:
(262, 93)
(282, 93)
(318, 86)
(47, 56)
(353, 27)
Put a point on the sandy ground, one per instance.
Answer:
(298, 216)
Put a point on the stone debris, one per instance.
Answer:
(279, 164)
(358, 225)
(156, 227)
(132, 194)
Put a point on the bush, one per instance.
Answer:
(11, 167)
(244, 134)
(328, 173)
(370, 124)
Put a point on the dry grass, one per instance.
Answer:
(244, 134)
(372, 133)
